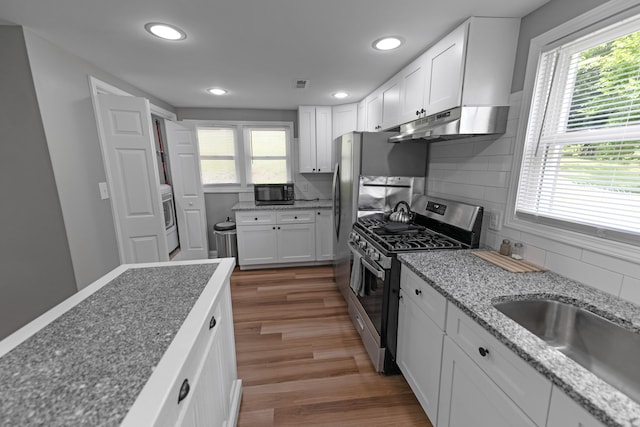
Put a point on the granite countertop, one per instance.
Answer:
(299, 204)
(473, 284)
(88, 366)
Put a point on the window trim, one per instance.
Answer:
(598, 18)
(243, 150)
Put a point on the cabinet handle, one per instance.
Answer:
(184, 390)
(274, 228)
(278, 228)
(400, 297)
(212, 322)
(483, 351)
(418, 291)
(417, 113)
(255, 219)
(314, 169)
(295, 217)
(318, 213)
(318, 169)
(423, 111)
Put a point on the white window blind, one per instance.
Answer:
(581, 160)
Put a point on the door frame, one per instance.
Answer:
(98, 86)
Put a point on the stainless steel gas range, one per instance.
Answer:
(375, 242)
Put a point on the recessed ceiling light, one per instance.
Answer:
(217, 91)
(340, 95)
(387, 43)
(165, 31)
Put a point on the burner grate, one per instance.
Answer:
(413, 239)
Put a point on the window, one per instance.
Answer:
(234, 155)
(218, 156)
(581, 160)
(268, 156)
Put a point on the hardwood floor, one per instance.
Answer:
(301, 360)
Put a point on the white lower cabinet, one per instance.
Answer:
(564, 412)
(284, 237)
(468, 397)
(257, 244)
(419, 353)
(296, 242)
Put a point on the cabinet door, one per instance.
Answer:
(468, 397)
(564, 412)
(307, 138)
(446, 63)
(374, 112)
(412, 94)
(390, 95)
(324, 140)
(344, 119)
(257, 244)
(296, 242)
(420, 354)
(362, 116)
(207, 402)
(324, 235)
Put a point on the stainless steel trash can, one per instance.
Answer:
(226, 239)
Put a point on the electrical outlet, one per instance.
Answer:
(495, 220)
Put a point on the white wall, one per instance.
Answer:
(62, 89)
(478, 172)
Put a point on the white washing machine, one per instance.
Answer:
(169, 210)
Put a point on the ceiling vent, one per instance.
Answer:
(300, 83)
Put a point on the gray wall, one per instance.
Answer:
(36, 271)
(541, 20)
(62, 87)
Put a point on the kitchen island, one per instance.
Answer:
(146, 344)
(471, 286)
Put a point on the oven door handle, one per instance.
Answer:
(378, 272)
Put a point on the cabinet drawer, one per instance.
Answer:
(522, 383)
(430, 301)
(255, 217)
(296, 217)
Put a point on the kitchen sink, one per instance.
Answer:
(599, 345)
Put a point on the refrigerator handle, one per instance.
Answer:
(336, 199)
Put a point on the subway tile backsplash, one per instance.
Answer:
(478, 171)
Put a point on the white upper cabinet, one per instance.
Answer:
(315, 139)
(345, 119)
(362, 116)
(373, 105)
(390, 103)
(413, 81)
(445, 61)
(472, 65)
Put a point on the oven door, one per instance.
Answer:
(375, 281)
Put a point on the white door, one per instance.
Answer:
(296, 242)
(307, 138)
(187, 191)
(132, 174)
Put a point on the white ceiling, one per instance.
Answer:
(253, 48)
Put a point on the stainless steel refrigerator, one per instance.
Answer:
(370, 154)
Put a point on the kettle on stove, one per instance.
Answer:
(401, 213)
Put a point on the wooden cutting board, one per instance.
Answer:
(508, 263)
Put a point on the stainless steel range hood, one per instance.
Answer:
(456, 123)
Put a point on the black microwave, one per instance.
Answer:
(273, 194)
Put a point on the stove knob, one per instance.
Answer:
(362, 244)
(375, 256)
